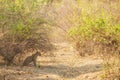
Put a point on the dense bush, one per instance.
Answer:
(97, 31)
(21, 28)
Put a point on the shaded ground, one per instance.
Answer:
(65, 65)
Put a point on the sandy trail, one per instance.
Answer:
(65, 65)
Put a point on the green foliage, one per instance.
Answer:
(98, 27)
(17, 17)
(21, 30)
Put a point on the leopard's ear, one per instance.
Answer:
(38, 51)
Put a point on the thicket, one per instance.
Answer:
(97, 31)
(22, 27)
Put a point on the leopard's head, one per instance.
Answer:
(38, 53)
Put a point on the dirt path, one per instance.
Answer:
(65, 65)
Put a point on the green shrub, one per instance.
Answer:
(21, 27)
(97, 31)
